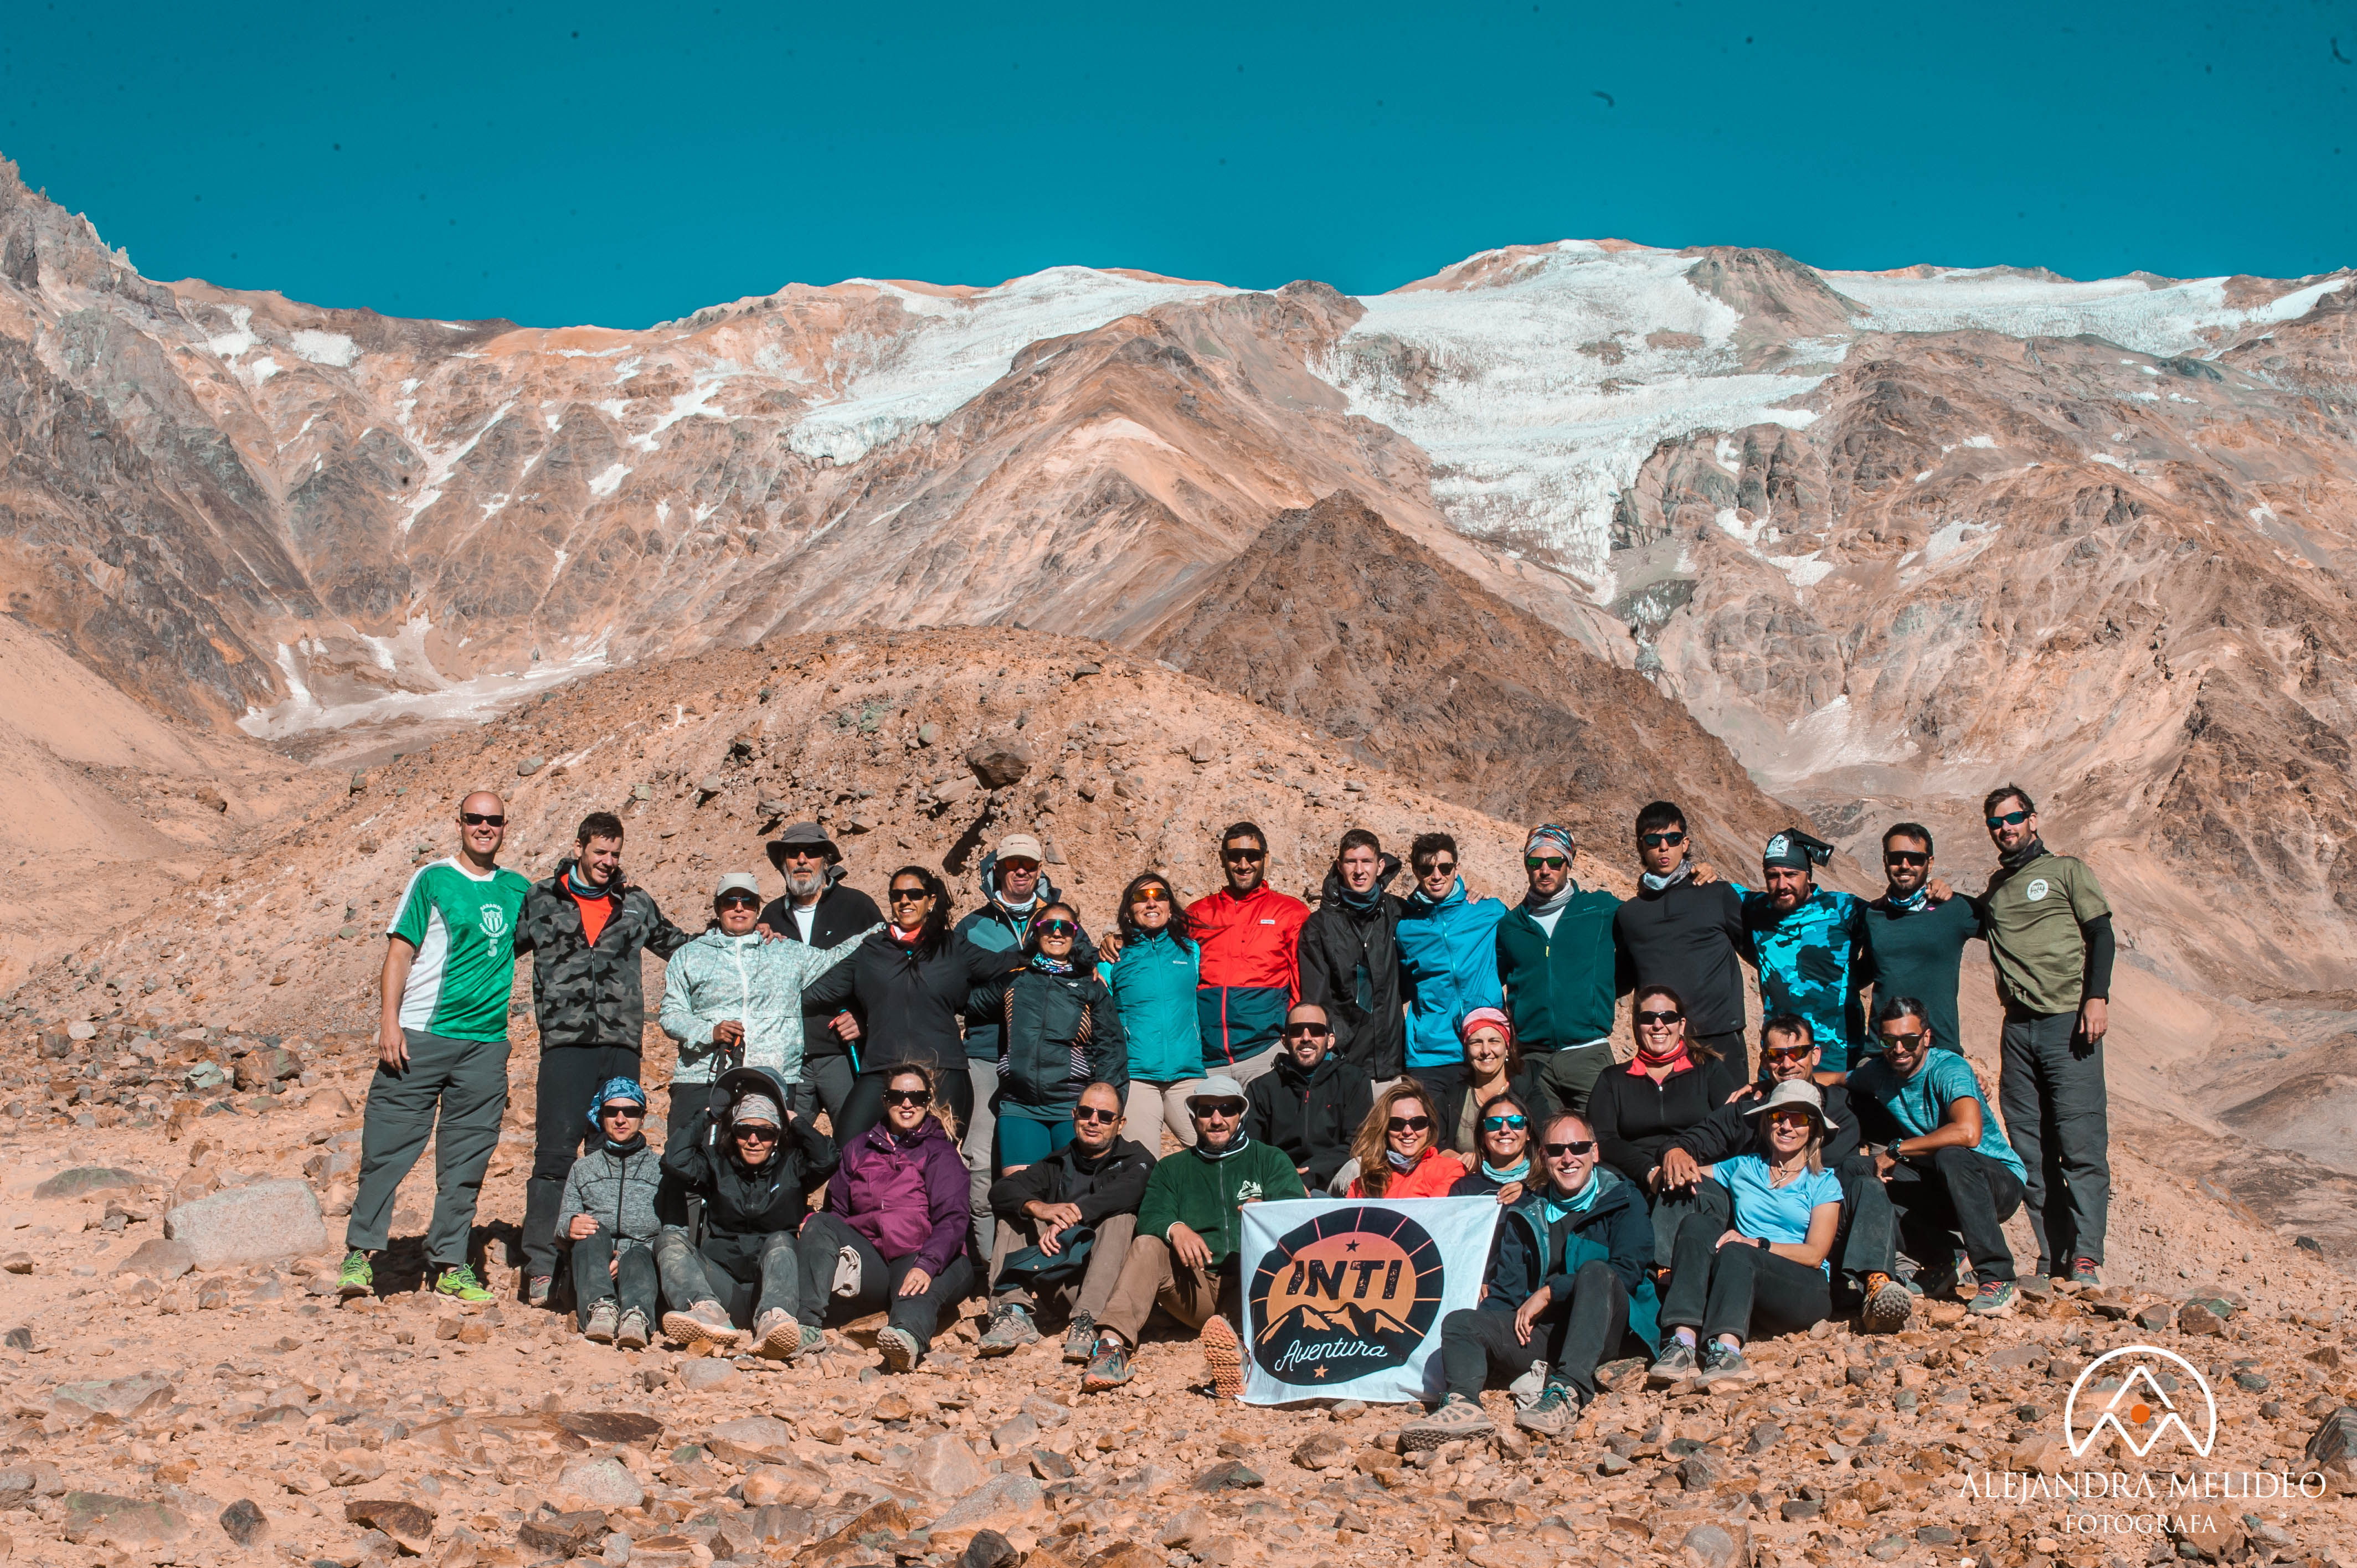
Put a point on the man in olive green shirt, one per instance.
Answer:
(2050, 935)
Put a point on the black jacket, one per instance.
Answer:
(744, 1204)
(1728, 1131)
(1692, 939)
(1115, 1186)
(1615, 1229)
(1634, 1118)
(1042, 1020)
(585, 993)
(840, 911)
(912, 1001)
(1523, 1086)
(1312, 1116)
(1349, 966)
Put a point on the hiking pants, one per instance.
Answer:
(981, 1150)
(823, 1240)
(688, 1273)
(453, 1092)
(569, 1075)
(1151, 1277)
(616, 1269)
(1673, 1206)
(1867, 1242)
(825, 1085)
(1086, 1296)
(1956, 1192)
(1741, 1290)
(1571, 1338)
(2057, 1117)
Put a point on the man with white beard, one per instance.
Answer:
(819, 909)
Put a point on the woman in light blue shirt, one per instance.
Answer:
(1767, 1272)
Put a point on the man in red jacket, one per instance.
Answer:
(1249, 935)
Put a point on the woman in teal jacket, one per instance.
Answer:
(1154, 982)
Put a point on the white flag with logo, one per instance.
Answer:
(1344, 1300)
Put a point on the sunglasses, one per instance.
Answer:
(1018, 865)
(801, 852)
(1090, 1114)
(1565, 1150)
(909, 894)
(1307, 1032)
(1059, 928)
(1438, 868)
(622, 1112)
(1905, 857)
(758, 1134)
(739, 901)
(1495, 1124)
(1655, 1020)
(1655, 841)
(1151, 896)
(490, 820)
(1551, 861)
(1245, 856)
(907, 1097)
(2010, 819)
(1410, 1124)
(1907, 1041)
(1216, 1107)
(1787, 1053)
(1791, 1118)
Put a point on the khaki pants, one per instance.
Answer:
(1151, 1277)
(1095, 1288)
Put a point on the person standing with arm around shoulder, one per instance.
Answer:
(1559, 967)
(1350, 959)
(818, 909)
(1448, 962)
(1688, 937)
(1916, 932)
(442, 1050)
(1250, 936)
(1153, 969)
(2050, 935)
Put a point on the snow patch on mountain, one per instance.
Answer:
(2166, 319)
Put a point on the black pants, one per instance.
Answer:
(1732, 1070)
(865, 1106)
(879, 1281)
(629, 1279)
(1739, 1289)
(569, 1075)
(826, 1082)
(1673, 1206)
(1571, 1338)
(2057, 1118)
(1867, 1242)
(1957, 1193)
(690, 1275)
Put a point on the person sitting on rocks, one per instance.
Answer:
(1669, 1089)
(753, 1165)
(1065, 1222)
(1186, 1255)
(1865, 1246)
(1767, 1272)
(1950, 1176)
(1396, 1151)
(1315, 1102)
(897, 1214)
(1494, 1066)
(1505, 1158)
(607, 1210)
(1570, 1274)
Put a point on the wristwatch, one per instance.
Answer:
(1763, 1243)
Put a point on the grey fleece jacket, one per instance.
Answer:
(616, 1191)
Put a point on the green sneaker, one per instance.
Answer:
(459, 1284)
(357, 1278)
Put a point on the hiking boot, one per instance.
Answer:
(776, 1335)
(1723, 1363)
(1011, 1329)
(2087, 1273)
(631, 1333)
(539, 1289)
(1223, 1354)
(809, 1340)
(459, 1284)
(604, 1318)
(703, 1328)
(357, 1278)
(1080, 1340)
(1675, 1365)
(1995, 1298)
(1457, 1417)
(1552, 1413)
(1108, 1366)
(1888, 1306)
(899, 1348)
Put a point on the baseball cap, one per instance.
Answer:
(738, 882)
(1219, 1088)
(1021, 846)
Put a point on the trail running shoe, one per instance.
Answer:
(1108, 1367)
(542, 1287)
(1675, 1364)
(1724, 1363)
(2086, 1272)
(1457, 1417)
(1888, 1306)
(776, 1335)
(899, 1348)
(1011, 1329)
(703, 1328)
(1081, 1339)
(632, 1334)
(605, 1319)
(1552, 1413)
(1995, 1298)
(458, 1283)
(1224, 1354)
(356, 1277)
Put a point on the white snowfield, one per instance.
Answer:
(2166, 319)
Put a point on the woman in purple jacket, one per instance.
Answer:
(899, 1203)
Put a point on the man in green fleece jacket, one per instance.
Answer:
(1562, 972)
(1189, 1225)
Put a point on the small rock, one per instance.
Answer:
(2252, 1382)
(707, 1372)
(2156, 1317)
(409, 1526)
(159, 1259)
(564, 1534)
(1888, 1547)
(1018, 1433)
(18, 1264)
(2335, 1438)
(85, 1179)
(1797, 1509)
(1698, 1473)
(1051, 1466)
(1716, 1546)
(244, 1522)
(261, 1222)
(530, 766)
(1189, 1525)
(627, 1427)
(120, 1398)
(1323, 1451)
(1764, 1436)
(20, 1337)
(2194, 1317)
(1229, 1475)
(988, 1548)
(945, 1467)
(1003, 1503)
(998, 766)
(1937, 1535)
(930, 734)
(605, 1482)
(101, 1518)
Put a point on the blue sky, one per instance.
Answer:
(622, 165)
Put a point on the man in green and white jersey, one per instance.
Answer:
(442, 1048)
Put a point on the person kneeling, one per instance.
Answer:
(754, 1167)
(1186, 1254)
(1065, 1223)
(896, 1214)
(1766, 1274)
(608, 1212)
(1572, 1257)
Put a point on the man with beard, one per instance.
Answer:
(1561, 970)
(1349, 964)
(1687, 936)
(1916, 932)
(1250, 936)
(1809, 945)
(2050, 935)
(820, 909)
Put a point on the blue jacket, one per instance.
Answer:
(1448, 966)
(1617, 1229)
(1153, 984)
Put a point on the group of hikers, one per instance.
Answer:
(998, 1092)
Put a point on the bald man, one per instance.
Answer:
(442, 1050)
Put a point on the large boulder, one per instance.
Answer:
(83, 1180)
(118, 1397)
(1003, 1503)
(257, 1224)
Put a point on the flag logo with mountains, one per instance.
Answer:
(1353, 1292)
(2135, 1393)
